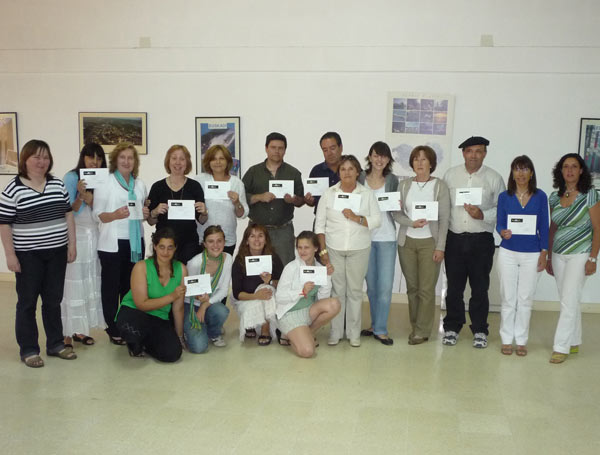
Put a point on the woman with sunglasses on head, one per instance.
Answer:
(573, 246)
(521, 255)
(82, 304)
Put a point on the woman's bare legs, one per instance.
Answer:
(302, 338)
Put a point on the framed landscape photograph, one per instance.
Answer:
(110, 128)
(218, 130)
(9, 145)
(589, 146)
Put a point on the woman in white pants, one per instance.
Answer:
(523, 252)
(574, 245)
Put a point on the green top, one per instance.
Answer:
(307, 301)
(157, 290)
(256, 181)
(574, 233)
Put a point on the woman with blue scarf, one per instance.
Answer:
(119, 205)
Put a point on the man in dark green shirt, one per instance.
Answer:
(276, 214)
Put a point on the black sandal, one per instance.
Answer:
(282, 341)
(264, 340)
(117, 340)
(250, 333)
(86, 340)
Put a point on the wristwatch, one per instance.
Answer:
(592, 259)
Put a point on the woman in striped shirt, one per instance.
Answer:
(574, 244)
(38, 235)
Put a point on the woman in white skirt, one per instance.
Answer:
(81, 307)
(254, 295)
(303, 306)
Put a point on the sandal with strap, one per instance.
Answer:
(33, 361)
(574, 350)
(250, 333)
(264, 340)
(83, 339)
(280, 339)
(558, 357)
(521, 350)
(507, 349)
(65, 353)
(117, 340)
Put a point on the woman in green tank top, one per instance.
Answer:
(156, 286)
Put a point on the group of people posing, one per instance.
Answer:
(82, 249)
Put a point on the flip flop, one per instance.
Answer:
(86, 340)
(264, 340)
(33, 361)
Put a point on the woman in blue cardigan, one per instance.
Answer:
(523, 251)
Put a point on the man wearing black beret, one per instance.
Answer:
(474, 190)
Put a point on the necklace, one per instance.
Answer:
(180, 189)
(421, 187)
(568, 192)
(522, 196)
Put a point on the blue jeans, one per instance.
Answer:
(214, 318)
(380, 279)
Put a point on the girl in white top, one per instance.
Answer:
(121, 239)
(217, 163)
(303, 307)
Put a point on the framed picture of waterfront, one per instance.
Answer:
(9, 145)
(218, 131)
(110, 128)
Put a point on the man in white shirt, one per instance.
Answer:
(470, 242)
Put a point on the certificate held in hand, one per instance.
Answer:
(389, 202)
(281, 187)
(94, 178)
(255, 265)
(181, 209)
(425, 211)
(347, 201)
(316, 274)
(316, 186)
(135, 210)
(197, 285)
(216, 190)
(471, 196)
(522, 224)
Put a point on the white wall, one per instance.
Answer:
(304, 68)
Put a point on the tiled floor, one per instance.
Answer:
(245, 399)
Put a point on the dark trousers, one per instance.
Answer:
(42, 274)
(186, 251)
(153, 334)
(468, 256)
(116, 282)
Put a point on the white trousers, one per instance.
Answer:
(350, 269)
(518, 280)
(569, 271)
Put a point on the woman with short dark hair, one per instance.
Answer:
(38, 235)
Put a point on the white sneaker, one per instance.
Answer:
(480, 340)
(450, 338)
(333, 341)
(355, 343)
(219, 341)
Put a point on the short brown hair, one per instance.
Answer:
(352, 160)
(210, 155)
(120, 147)
(186, 153)
(29, 149)
(429, 154)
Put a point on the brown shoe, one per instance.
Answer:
(416, 339)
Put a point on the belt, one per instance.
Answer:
(470, 234)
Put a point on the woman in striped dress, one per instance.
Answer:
(38, 235)
(574, 243)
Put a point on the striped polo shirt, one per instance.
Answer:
(38, 219)
(575, 230)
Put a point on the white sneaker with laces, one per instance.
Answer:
(480, 340)
(219, 342)
(450, 338)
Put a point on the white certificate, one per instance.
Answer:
(94, 177)
(181, 209)
(425, 210)
(316, 186)
(522, 224)
(468, 196)
(255, 265)
(197, 285)
(316, 274)
(388, 202)
(281, 187)
(216, 190)
(347, 201)
(135, 210)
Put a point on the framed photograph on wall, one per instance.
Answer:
(9, 145)
(218, 130)
(589, 146)
(110, 128)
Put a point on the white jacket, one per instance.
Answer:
(289, 288)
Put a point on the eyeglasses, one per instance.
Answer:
(521, 169)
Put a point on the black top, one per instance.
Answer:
(185, 230)
(242, 283)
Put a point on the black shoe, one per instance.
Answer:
(366, 333)
(386, 341)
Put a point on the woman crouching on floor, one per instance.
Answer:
(303, 307)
